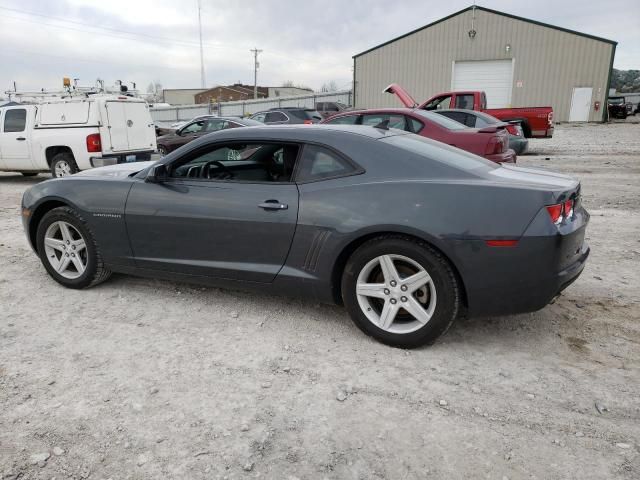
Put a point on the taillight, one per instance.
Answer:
(512, 129)
(568, 209)
(555, 212)
(495, 145)
(308, 122)
(550, 118)
(93, 143)
(560, 211)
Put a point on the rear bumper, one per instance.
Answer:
(506, 157)
(107, 160)
(518, 144)
(528, 276)
(546, 133)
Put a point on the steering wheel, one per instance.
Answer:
(224, 175)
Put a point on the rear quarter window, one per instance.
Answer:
(433, 150)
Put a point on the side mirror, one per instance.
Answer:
(157, 174)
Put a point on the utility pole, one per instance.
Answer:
(203, 80)
(255, 71)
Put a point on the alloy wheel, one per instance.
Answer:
(66, 249)
(62, 168)
(396, 293)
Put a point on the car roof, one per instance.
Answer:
(475, 113)
(302, 133)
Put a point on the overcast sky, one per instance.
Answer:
(309, 42)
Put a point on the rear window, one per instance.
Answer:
(441, 153)
(15, 120)
(440, 120)
(346, 120)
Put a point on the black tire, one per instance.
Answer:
(162, 150)
(29, 174)
(60, 160)
(95, 272)
(444, 280)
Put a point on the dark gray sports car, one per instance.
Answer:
(405, 231)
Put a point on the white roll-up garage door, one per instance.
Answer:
(495, 77)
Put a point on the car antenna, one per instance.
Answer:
(383, 125)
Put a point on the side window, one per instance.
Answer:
(464, 101)
(195, 127)
(346, 120)
(249, 162)
(320, 162)
(259, 117)
(275, 117)
(15, 120)
(438, 103)
(413, 125)
(395, 120)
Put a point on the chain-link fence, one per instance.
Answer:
(168, 115)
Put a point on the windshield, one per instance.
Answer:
(441, 120)
(439, 152)
(616, 100)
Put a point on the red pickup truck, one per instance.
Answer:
(536, 122)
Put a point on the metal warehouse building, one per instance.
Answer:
(518, 62)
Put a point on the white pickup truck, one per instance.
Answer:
(65, 135)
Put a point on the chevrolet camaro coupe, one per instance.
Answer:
(406, 232)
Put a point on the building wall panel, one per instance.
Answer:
(548, 62)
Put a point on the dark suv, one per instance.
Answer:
(286, 115)
(327, 109)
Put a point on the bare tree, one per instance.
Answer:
(154, 92)
(331, 86)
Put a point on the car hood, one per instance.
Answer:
(120, 170)
(533, 177)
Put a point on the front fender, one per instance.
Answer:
(101, 203)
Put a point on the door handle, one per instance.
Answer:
(273, 205)
(21, 139)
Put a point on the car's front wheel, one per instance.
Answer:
(162, 150)
(68, 250)
(400, 291)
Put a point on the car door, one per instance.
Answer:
(15, 139)
(237, 228)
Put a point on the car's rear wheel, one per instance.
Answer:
(68, 250)
(400, 291)
(63, 164)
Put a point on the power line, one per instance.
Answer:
(167, 40)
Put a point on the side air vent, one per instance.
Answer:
(311, 260)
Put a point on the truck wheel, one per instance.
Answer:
(63, 164)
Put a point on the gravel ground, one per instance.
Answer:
(151, 379)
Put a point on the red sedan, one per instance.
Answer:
(490, 142)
